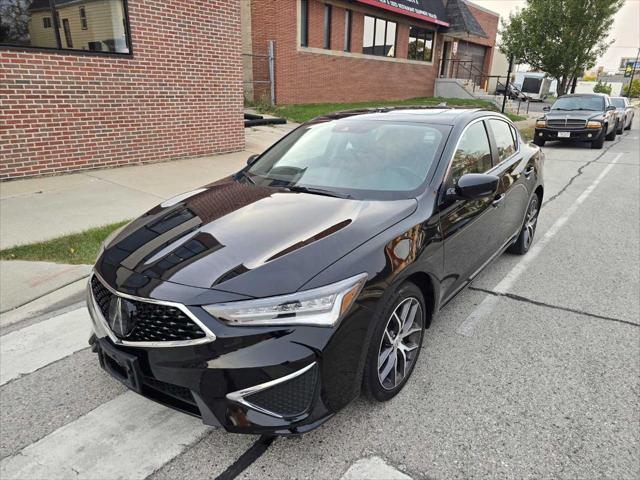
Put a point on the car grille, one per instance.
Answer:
(566, 123)
(153, 322)
(288, 399)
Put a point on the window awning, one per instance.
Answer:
(427, 10)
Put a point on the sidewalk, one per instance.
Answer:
(39, 209)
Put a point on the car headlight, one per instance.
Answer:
(594, 124)
(541, 123)
(323, 306)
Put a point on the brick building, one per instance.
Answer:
(352, 50)
(95, 83)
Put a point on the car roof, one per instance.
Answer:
(439, 115)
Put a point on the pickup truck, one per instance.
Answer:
(579, 118)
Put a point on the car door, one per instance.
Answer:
(516, 177)
(470, 228)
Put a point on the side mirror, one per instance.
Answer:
(546, 109)
(252, 159)
(474, 186)
(611, 108)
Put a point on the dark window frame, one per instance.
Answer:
(422, 36)
(72, 51)
(328, 16)
(386, 26)
(304, 23)
(348, 21)
(84, 23)
(46, 22)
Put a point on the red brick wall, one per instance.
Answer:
(306, 77)
(489, 23)
(180, 95)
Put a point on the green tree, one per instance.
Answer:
(560, 37)
(635, 89)
(602, 88)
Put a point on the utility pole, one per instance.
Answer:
(633, 74)
(506, 87)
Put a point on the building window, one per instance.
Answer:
(33, 27)
(379, 37)
(327, 27)
(83, 18)
(348, 18)
(420, 44)
(304, 23)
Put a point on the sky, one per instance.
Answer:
(625, 30)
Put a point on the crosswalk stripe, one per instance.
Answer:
(127, 437)
(28, 349)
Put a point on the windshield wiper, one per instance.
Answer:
(588, 109)
(316, 191)
(244, 174)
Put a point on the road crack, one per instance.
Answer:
(520, 298)
(580, 172)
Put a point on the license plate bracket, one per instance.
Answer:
(122, 366)
(564, 134)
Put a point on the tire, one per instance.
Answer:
(525, 239)
(539, 141)
(599, 143)
(620, 129)
(383, 340)
(612, 135)
(628, 127)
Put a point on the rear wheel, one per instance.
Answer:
(612, 135)
(525, 239)
(539, 141)
(396, 342)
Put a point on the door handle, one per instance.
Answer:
(498, 200)
(528, 171)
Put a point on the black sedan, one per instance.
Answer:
(266, 301)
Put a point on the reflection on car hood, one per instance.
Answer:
(245, 239)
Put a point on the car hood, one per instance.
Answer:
(244, 239)
(573, 114)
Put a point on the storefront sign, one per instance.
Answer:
(422, 9)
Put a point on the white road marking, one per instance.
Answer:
(127, 437)
(487, 305)
(373, 468)
(28, 349)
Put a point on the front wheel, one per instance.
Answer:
(396, 342)
(620, 129)
(538, 141)
(612, 135)
(599, 143)
(628, 127)
(525, 239)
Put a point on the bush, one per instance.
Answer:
(602, 88)
(635, 89)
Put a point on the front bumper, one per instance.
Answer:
(265, 380)
(575, 135)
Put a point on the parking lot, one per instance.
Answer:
(532, 372)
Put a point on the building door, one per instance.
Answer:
(474, 53)
(444, 64)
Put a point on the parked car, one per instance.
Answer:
(626, 112)
(265, 301)
(578, 118)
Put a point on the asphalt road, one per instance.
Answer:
(532, 372)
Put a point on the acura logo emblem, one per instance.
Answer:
(122, 315)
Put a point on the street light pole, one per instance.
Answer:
(633, 74)
(506, 87)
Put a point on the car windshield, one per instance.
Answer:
(360, 158)
(579, 103)
(618, 102)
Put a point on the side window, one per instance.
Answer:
(473, 154)
(504, 139)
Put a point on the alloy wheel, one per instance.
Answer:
(530, 222)
(400, 341)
